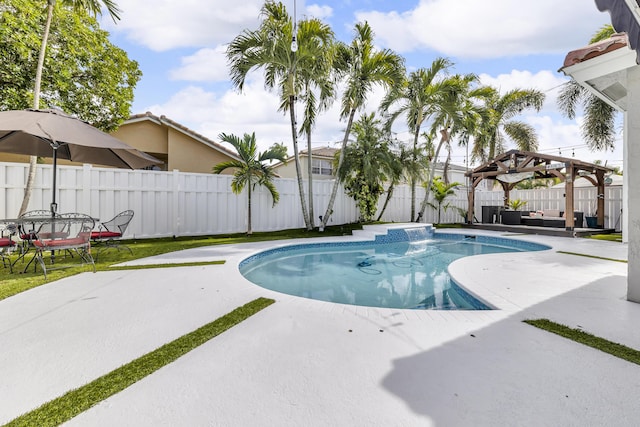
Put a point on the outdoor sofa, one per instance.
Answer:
(543, 218)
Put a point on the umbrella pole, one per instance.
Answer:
(54, 205)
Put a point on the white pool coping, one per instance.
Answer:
(313, 363)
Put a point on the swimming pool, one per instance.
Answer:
(406, 268)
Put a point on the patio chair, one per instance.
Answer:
(76, 238)
(74, 215)
(7, 244)
(27, 226)
(110, 232)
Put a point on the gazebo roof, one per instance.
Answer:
(514, 166)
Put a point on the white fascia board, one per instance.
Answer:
(611, 62)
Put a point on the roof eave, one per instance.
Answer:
(587, 71)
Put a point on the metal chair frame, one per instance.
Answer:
(77, 239)
(7, 244)
(110, 232)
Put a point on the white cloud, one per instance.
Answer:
(206, 65)
(319, 11)
(488, 29)
(253, 110)
(161, 25)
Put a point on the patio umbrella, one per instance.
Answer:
(51, 133)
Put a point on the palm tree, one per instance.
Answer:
(93, 7)
(363, 66)
(270, 47)
(251, 171)
(441, 190)
(317, 75)
(452, 112)
(403, 163)
(598, 127)
(417, 99)
(364, 162)
(499, 122)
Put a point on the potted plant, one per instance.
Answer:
(592, 218)
(516, 204)
(592, 221)
(512, 217)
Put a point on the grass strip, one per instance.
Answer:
(593, 256)
(168, 265)
(611, 237)
(67, 406)
(613, 348)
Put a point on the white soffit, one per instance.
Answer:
(605, 75)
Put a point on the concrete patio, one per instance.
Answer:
(302, 362)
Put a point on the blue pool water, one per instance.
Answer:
(403, 269)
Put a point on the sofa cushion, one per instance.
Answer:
(552, 212)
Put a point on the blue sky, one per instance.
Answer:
(180, 48)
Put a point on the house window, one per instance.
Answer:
(321, 167)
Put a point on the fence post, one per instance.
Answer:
(86, 188)
(175, 202)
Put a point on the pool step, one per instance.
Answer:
(369, 232)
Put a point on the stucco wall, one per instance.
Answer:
(145, 136)
(189, 155)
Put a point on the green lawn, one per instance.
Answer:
(11, 284)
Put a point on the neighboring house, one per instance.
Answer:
(455, 173)
(322, 164)
(178, 146)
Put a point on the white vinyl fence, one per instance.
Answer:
(188, 204)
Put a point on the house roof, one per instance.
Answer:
(321, 152)
(325, 153)
(577, 56)
(164, 120)
(601, 68)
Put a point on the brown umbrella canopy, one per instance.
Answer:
(50, 133)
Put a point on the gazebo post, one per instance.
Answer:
(569, 220)
(600, 198)
(471, 199)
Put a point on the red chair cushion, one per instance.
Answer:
(76, 241)
(6, 242)
(104, 234)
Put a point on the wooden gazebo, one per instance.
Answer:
(514, 166)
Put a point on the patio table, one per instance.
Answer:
(30, 228)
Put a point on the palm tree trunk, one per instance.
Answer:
(336, 182)
(386, 202)
(249, 231)
(413, 178)
(444, 138)
(296, 155)
(310, 180)
(445, 169)
(33, 160)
